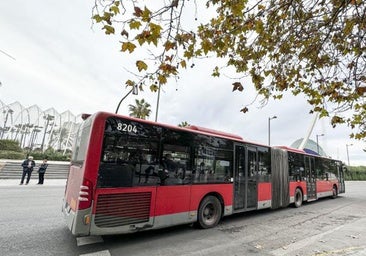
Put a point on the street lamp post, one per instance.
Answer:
(317, 142)
(269, 129)
(347, 145)
(134, 91)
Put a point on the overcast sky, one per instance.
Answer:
(64, 63)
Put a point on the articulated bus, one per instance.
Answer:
(128, 175)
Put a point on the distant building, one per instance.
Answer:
(310, 147)
(35, 128)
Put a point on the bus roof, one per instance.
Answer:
(191, 128)
(295, 150)
(214, 132)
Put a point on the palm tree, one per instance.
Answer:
(140, 110)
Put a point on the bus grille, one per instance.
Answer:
(115, 210)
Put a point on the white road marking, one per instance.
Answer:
(100, 253)
(80, 241)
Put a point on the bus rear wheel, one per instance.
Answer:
(209, 212)
(298, 198)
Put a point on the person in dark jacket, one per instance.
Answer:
(28, 166)
(41, 171)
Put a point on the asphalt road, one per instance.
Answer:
(32, 224)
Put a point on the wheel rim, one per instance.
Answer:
(209, 214)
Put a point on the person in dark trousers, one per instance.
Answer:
(41, 171)
(28, 166)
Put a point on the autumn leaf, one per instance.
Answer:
(108, 29)
(130, 83)
(361, 90)
(127, 46)
(141, 65)
(216, 72)
(135, 24)
(124, 33)
(183, 64)
(154, 87)
(138, 11)
(162, 79)
(238, 86)
(169, 45)
(97, 18)
(244, 110)
(114, 9)
(146, 15)
(336, 120)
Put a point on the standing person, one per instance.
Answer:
(41, 171)
(28, 165)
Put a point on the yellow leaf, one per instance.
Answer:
(108, 29)
(97, 18)
(162, 79)
(154, 87)
(146, 15)
(155, 29)
(114, 9)
(183, 64)
(127, 46)
(130, 83)
(135, 24)
(141, 65)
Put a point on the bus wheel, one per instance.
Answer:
(209, 212)
(335, 192)
(298, 198)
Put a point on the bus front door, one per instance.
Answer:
(245, 183)
(310, 178)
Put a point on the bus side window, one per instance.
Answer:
(173, 167)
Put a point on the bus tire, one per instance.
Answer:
(335, 192)
(298, 198)
(209, 212)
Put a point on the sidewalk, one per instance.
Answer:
(32, 182)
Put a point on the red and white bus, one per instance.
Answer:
(129, 175)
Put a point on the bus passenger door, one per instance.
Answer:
(340, 177)
(310, 177)
(251, 174)
(245, 185)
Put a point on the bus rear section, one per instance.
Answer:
(299, 177)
